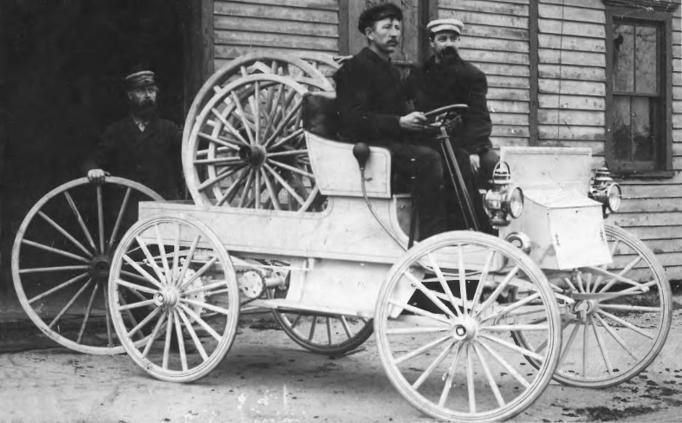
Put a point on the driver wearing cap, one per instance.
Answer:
(445, 78)
(373, 107)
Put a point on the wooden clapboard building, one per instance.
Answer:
(604, 74)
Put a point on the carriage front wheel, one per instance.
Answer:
(177, 281)
(444, 321)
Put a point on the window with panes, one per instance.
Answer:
(639, 91)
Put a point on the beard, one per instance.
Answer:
(145, 109)
(449, 55)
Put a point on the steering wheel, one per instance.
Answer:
(457, 108)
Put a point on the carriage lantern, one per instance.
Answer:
(503, 200)
(605, 190)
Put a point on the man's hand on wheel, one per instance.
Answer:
(97, 176)
(415, 121)
(475, 162)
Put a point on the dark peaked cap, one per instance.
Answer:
(377, 13)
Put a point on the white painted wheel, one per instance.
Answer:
(619, 317)
(61, 258)
(449, 350)
(247, 148)
(177, 275)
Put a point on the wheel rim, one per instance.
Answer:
(325, 334)
(178, 277)
(324, 63)
(62, 255)
(614, 327)
(233, 159)
(457, 363)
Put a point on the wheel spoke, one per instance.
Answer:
(569, 342)
(151, 260)
(58, 287)
(446, 287)
(119, 217)
(199, 273)
(462, 278)
(181, 341)
(435, 363)
(242, 116)
(232, 190)
(197, 343)
(600, 344)
(416, 283)
(512, 371)
(481, 281)
(53, 269)
(519, 327)
(188, 260)
(498, 290)
(284, 140)
(203, 288)
(162, 250)
(154, 335)
(232, 160)
(625, 323)
(70, 303)
(88, 310)
(284, 184)
(619, 276)
(421, 312)
(144, 321)
(422, 349)
(417, 330)
(615, 336)
(79, 218)
(283, 123)
(296, 320)
(513, 306)
(167, 342)
(201, 322)
(625, 307)
(489, 376)
(450, 375)
(346, 328)
(149, 278)
(312, 328)
(138, 304)
(65, 233)
(231, 129)
(290, 152)
(271, 191)
(100, 218)
(470, 380)
(291, 168)
(585, 349)
(329, 332)
(206, 306)
(524, 351)
(55, 250)
(226, 174)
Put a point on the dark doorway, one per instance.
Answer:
(63, 71)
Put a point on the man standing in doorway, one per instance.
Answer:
(141, 147)
(373, 107)
(445, 78)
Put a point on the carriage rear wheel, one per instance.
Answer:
(325, 334)
(176, 275)
(448, 350)
(61, 258)
(618, 316)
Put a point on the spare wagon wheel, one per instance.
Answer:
(247, 147)
(324, 63)
(62, 255)
(253, 64)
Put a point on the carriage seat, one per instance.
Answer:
(334, 166)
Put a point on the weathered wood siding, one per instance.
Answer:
(249, 26)
(496, 39)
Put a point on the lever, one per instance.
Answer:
(361, 153)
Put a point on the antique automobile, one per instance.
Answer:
(469, 326)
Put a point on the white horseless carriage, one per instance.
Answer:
(469, 326)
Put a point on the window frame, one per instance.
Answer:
(663, 167)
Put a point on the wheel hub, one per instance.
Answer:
(254, 155)
(586, 307)
(99, 267)
(167, 297)
(465, 329)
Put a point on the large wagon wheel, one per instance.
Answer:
(61, 258)
(252, 64)
(449, 350)
(183, 280)
(326, 64)
(325, 334)
(620, 318)
(247, 147)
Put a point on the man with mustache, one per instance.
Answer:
(373, 107)
(445, 78)
(141, 147)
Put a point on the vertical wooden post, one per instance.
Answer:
(196, 17)
(533, 33)
(3, 126)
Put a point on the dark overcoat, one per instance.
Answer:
(151, 157)
(434, 85)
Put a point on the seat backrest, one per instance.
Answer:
(334, 166)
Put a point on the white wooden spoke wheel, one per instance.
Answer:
(62, 255)
(176, 276)
(618, 316)
(325, 334)
(324, 63)
(247, 148)
(449, 350)
(289, 66)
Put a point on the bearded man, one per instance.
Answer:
(445, 78)
(141, 147)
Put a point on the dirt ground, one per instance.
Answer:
(268, 378)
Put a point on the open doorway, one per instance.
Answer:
(64, 66)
